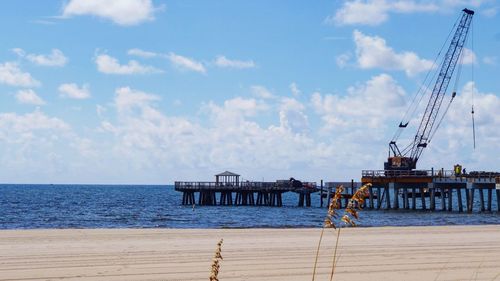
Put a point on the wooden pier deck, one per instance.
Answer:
(243, 193)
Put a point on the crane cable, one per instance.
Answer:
(455, 87)
(455, 90)
(472, 95)
(423, 89)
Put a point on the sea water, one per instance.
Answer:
(138, 206)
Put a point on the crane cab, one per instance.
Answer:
(399, 163)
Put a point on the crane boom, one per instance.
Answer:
(407, 159)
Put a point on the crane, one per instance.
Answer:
(406, 159)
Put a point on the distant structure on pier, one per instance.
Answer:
(227, 178)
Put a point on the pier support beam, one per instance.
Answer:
(395, 187)
(432, 193)
(498, 197)
(450, 199)
(490, 198)
(443, 201)
(414, 198)
(321, 195)
(422, 195)
(459, 198)
(481, 198)
(226, 198)
(262, 198)
(370, 190)
(188, 198)
(470, 197)
(304, 199)
(405, 198)
(388, 196)
(379, 197)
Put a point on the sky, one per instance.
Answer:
(157, 91)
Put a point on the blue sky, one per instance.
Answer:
(144, 91)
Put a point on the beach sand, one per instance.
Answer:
(382, 253)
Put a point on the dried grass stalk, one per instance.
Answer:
(214, 273)
(355, 203)
(329, 222)
(348, 219)
(333, 208)
(350, 215)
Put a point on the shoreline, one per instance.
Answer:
(359, 226)
(453, 252)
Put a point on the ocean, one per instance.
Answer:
(139, 206)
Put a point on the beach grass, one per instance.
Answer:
(349, 218)
(214, 272)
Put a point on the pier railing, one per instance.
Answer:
(243, 186)
(397, 173)
(429, 173)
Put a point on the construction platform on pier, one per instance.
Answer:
(440, 189)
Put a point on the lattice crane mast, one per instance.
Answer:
(407, 158)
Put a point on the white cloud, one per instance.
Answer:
(12, 75)
(295, 89)
(18, 51)
(145, 143)
(44, 22)
(55, 58)
(100, 110)
(127, 98)
(121, 12)
(23, 126)
(374, 12)
(485, 104)
(185, 63)
(343, 59)
(110, 65)
(142, 53)
(43, 149)
(490, 60)
(222, 61)
(373, 52)
(261, 92)
(235, 110)
(454, 139)
(71, 90)
(468, 56)
(228, 139)
(190, 64)
(490, 12)
(365, 105)
(292, 116)
(29, 96)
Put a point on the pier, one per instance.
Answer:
(427, 190)
(432, 190)
(228, 190)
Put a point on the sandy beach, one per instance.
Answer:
(387, 253)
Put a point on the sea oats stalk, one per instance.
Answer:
(350, 215)
(329, 221)
(214, 273)
(348, 219)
